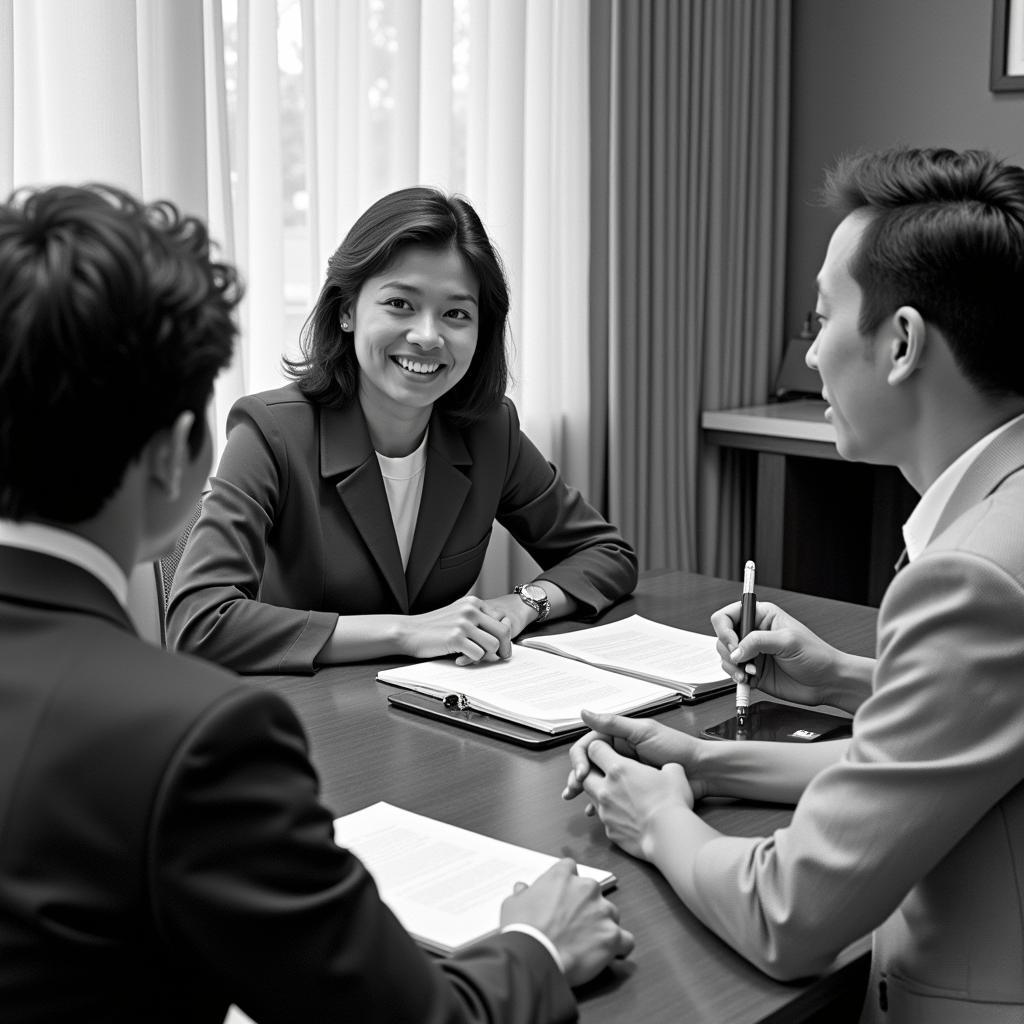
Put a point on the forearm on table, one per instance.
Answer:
(361, 637)
(246, 635)
(562, 604)
(739, 901)
(672, 841)
(679, 843)
(757, 770)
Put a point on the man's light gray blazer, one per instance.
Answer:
(918, 833)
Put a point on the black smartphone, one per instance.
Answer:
(781, 723)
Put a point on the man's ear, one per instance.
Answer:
(907, 344)
(169, 455)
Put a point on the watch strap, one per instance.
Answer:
(541, 607)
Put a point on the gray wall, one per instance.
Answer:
(874, 73)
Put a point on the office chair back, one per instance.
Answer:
(166, 567)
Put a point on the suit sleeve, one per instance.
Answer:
(578, 549)
(247, 879)
(214, 609)
(938, 744)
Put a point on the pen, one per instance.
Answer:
(748, 612)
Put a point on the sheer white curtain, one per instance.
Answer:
(109, 91)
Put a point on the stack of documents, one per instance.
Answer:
(445, 884)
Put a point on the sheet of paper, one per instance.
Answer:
(445, 884)
(639, 645)
(531, 685)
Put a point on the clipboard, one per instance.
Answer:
(501, 728)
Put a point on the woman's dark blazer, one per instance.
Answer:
(297, 530)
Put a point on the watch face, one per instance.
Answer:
(537, 593)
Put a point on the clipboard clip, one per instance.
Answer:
(456, 702)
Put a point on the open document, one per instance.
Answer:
(688, 662)
(445, 884)
(532, 688)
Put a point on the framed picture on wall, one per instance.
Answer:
(1007, 71)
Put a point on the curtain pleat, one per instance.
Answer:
(435, 115)
(218, 153)
(231, 382)
(259, 229)
(6, 97)
(63, 42)
(697, 163)
(404, 149)
(337, 104)
(172, 133)
(310, 140)
(601, 55)
(555, 361)
(361, 142)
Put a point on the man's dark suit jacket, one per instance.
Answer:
(163, 852)
(297, 531)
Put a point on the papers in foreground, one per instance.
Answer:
(445, 884)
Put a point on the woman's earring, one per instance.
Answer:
(344, 325)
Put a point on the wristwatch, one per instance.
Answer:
(536, 598)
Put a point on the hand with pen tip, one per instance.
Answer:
(748, 614)
(791, 661)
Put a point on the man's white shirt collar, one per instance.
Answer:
(63, 544)
(918, 529)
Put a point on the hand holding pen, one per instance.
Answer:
(781, 656)
(748, 619)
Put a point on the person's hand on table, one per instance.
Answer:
(642, 739)
(629, 797)
(791, 661)
(571, 911)
(513, 610)
(470, 628)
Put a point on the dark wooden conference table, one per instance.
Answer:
(679, 971)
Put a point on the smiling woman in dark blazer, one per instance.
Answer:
(351, 510)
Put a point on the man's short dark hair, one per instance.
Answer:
(329, 372)
(945, 236)
(114, 319)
